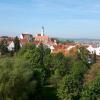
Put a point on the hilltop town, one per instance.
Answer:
(60, 61)
(68, 48)
(39, 67)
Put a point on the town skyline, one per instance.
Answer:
(65, 19)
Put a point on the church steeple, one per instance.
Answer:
(42, 34)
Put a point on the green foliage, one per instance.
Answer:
(92, 91)
(16, 81)
(71, 85)
(61, 66)
(83, 55)
(16, 44)
(64, 40)
(26, 48)
(3, 47)
(29, 74)
(33, 54)
(78, 69)
(61, 63)
(69, 88)
(40, 60)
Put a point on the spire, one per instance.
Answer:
(42, 31)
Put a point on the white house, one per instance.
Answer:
(51, 48)
(98, 51)
(92, 50)
(11, 46)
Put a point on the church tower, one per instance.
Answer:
(42, 34)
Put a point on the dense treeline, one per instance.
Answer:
(33, 73)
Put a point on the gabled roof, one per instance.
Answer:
(25, 34)
(23, 41)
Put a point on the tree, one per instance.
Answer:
(83, 55)
(78, 69)
(59, 63)
(69, 88)
(92, 90)
(35, 56)
(27, 47)
(16, 44)
(60, 67)
(3, 47)
(16, 80)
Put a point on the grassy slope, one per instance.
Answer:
(92, 73)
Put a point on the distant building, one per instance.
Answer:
(67, 50)
(6, 38)
(11, 45)
(41, 38)
(93, 50)
(26, 36)
(23, 41)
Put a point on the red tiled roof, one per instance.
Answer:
(23, 41)
(36, 42)
(70, 44)
(41, 37)
(59, 46)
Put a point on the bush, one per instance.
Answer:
(16, 81)
(92, 91)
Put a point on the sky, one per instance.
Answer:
(61, 18)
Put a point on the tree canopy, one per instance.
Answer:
(36, 74)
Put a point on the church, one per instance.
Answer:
(41, 37)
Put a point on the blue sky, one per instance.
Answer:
(61, 18)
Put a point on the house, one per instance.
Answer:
(98, 51)
(72, 50)
(51, 48)
(3, 38)
(26, 36)
(60, 48)
(6, 38)
(93, 50)
(41, 38)
(67, 50)
(23, 41)
(10, 45)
